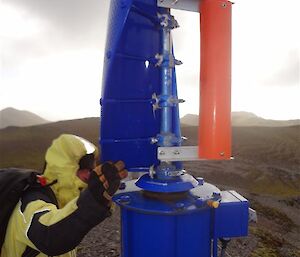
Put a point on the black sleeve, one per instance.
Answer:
(66, 234)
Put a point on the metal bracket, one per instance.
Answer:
(167, 21)
(252, 216)
(187, 5)
(178, 153)
(169, 59)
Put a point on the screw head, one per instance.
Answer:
(176, 152)
(179, 206)
(122, 186)
(223, 5)
(124, 199)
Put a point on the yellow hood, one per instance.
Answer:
(62, 160)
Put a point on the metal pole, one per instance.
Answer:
(166, 79)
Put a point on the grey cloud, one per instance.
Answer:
(65, 25)
(74, 17)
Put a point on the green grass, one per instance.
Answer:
(268, 245)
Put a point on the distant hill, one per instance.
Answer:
(18, 118)
(244, 119)
(270, 145)
(26, 146)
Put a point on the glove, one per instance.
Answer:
(105, 180)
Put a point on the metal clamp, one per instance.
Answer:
(165, 101)
(252, 216)
(178, 153)
(187, 5)
(167, 21)
(168, 60)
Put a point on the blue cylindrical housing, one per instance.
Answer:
(161, 235)
(166, 225)
(179, 224)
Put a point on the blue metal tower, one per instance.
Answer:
(166, 212)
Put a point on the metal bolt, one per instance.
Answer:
(222, 153)
(216, 194)
(224, 5)
(122, 186)
(154, 140)
(124, 199)
(179, 206)
(161, 153)
(176, 152)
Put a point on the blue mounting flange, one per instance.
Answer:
(175, 184)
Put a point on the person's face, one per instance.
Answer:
(84, 174)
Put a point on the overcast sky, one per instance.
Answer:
(52, 55)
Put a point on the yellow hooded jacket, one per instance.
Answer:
(56, 229)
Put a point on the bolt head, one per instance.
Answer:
(223, 5)
(124, 199)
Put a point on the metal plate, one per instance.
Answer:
(187, 5)
(178, 153)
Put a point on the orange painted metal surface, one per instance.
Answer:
(215, 80)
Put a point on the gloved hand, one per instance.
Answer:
(105, 180)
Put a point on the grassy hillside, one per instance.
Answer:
(26, 147)
(267, 160)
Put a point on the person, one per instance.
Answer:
(53, 220)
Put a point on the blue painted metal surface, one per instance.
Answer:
(176, 184)
(130, 79)
(181, 227)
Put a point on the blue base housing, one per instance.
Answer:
(184, 226)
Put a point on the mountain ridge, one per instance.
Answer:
(244, 119)
(19, 118)
(22, 118)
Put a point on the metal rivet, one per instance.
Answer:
(216, 194)
(224, 5)
(222, 153)
(179, 206)
(122, 186)
(176, 152)
(161, 153)
(124, 199)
